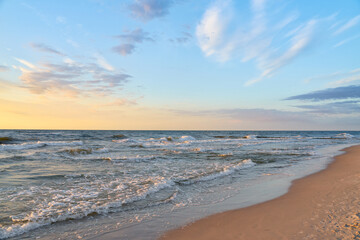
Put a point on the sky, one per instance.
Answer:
(180, 64)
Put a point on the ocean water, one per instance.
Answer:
(81, 184)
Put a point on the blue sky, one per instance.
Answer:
(180, 64)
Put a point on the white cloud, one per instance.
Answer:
(346, 41)
(337, 78)
(61, 19)
(4, 68)
(124, 49)
(345, 80)
(103, 63)
(146, 10)
(71, 78)
(129, 40)
(210, 32)
(349, 24)
(299, 42)
(270, 42)
(72, 43)
(26, 63)
(45, 48)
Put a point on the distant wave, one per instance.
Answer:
(338, 136)
(85, 151)
(24, 146)
(156, 142)
(134, 159)
(235, 137)
(21, 146)
(63, 143)
(227, 170)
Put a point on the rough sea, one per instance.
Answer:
(57, 184)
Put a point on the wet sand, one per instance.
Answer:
(324, 205)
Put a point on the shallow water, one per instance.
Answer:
(71, 184)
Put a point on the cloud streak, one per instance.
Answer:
(71, 78)
(184, 38)
(346, 41)
(124, 49)
(135, 36)
(146, 10)
(44, 48)
(4, 68)
(330, 94)
(349, 24)
(129, 41)
(211, 30)
(299, 42)
(271, 43)
(343, 107)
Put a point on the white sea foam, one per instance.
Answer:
(155, 188)
(186, 138)
(156, 142)
(101, 150)
(343, 136)
(63, 143)
(78, 203)
(127, 140)
(18, 229)
(24, 146)
(227, 170)
(137, 158)
(144, 170)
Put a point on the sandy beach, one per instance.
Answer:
(324, 205)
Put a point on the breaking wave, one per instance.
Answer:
(24, 146)
(227, 170)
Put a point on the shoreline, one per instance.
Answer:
(323, 205)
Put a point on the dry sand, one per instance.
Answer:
(324, 205)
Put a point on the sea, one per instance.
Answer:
(71, 184)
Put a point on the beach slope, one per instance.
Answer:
(324, 205)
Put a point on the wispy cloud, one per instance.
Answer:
(330, 94)
(26, 63)
(124, 49)
(103, 63)
(346, 80)
(271, 44)
(4, 68)
(346, 41)
(135, 36)
(210, 32)
(72, 43)
(342, 107)
(255, 118)
(184, 38)
(349, 24)
(61, 19)
(147, 10)
(299, 42)
(129, 41)
(324, 76)
(70, 78)
(119, 102)
(337, 78)
(45, 48)
(317, 116)
(255, 114)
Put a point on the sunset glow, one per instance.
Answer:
(180, 64)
